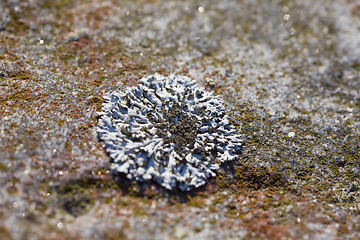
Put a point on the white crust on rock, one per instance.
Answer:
(168, 130)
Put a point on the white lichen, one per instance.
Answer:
(168, 130)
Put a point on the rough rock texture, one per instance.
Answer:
(169, 130)
(289, 74)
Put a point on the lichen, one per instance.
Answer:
(168, 130)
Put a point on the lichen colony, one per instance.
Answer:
(169, 130)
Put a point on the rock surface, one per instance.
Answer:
(289, 74)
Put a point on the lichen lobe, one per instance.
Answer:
(168, 130)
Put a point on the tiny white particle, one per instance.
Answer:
(291, 134)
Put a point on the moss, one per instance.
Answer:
(213, 209)
(17, 23)
(213, 221)
(197, 202)
(139, 213)
(152, 193)
(2, 167)
(115, 235)
(57, 4)
(219, 199)
(20, 97)
(232, 211)
(277, 150)
(76, 197)
(222, 180)
(74, 200)
(12, 189)
(247, 176)
(98, 81)
(85, 126)
(96, 102)
(349, 194)
(122, 203)
(4, 233)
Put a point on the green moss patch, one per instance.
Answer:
(77, 197)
